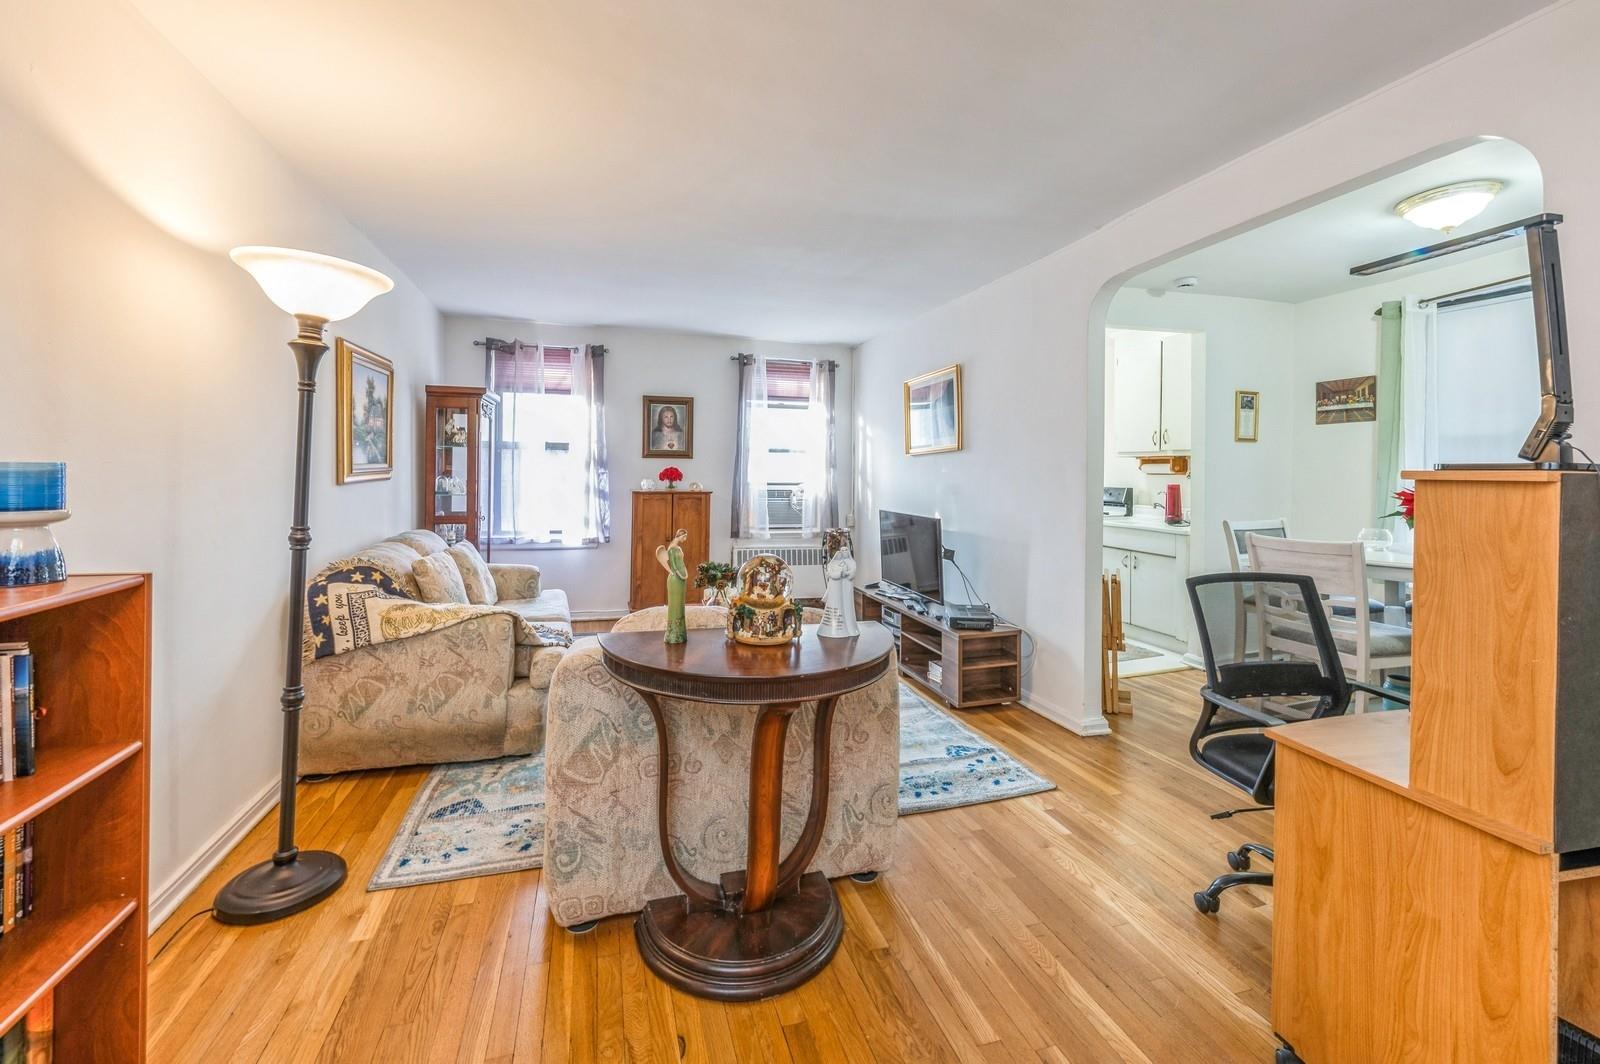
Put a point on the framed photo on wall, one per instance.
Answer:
(365, 426)
(1246, 417)
(669, 426)
(933, 411)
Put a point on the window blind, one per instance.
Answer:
(518, 368)
(788, 381)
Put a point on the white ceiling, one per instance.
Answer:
(1309, 254)
(796, 171)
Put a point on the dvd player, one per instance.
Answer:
(978, 617)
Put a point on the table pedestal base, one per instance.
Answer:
(715, 952)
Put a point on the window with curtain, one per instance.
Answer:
(550, 453)
(785, 466)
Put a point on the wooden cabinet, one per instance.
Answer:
(975, 667)
(458, 464)
(1151, 392)
(86, 937)
(657, 516)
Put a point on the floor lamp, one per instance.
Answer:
(316, 289)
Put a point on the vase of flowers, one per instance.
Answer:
(1407, 498)
(716, 580)
(670, 476)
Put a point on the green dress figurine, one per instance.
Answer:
(671, 559)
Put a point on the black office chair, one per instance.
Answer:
(1230, 610)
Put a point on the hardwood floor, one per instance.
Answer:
(1056, 927)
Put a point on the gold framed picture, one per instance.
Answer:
(669, 426)
(933, 411)
(1246, 417)
(365, 427)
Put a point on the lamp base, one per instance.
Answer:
(270, 891)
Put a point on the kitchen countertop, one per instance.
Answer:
(1147, 523)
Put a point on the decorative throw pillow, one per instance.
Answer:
(474, 574)
(438, 579)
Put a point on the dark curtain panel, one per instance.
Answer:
(741, 452)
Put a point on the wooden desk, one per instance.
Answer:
(1407, 927)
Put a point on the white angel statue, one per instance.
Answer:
(838, 601)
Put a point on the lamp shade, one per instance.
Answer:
(306, 283)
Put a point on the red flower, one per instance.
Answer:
(672, 474)
(1407, 497)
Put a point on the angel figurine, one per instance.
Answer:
(838, 607)
(671, 558)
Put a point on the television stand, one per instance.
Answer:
(976, 668)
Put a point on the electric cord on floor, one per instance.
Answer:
(176, 934)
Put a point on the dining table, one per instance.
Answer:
(1393, 568)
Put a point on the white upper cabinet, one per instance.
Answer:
(1136, 392)
(1150, 392)
(1176, 416)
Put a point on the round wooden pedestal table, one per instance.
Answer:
(771, 926)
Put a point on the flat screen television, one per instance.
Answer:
(911, 554)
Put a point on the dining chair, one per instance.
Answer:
(1367, 648)
(1234, 532)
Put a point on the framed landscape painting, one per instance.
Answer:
(365, 427)
(933, 411)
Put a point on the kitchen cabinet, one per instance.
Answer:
(1151, 393)
(1153, 567)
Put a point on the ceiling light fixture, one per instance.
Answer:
(1448, 206)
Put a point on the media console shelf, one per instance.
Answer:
(977, 668)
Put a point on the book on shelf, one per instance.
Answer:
(18, 712)
(31, 1040)
(16, 878)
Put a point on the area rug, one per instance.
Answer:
(480, 818)
(1137, 653)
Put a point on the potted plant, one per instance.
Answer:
(671, 475)
(1407, 498)
(717, 580)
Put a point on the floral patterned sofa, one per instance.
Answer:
(602, 855)
(462, 693)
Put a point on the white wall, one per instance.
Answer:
(131, 348)
(1023, 491)
(1337, 336)
(1247, 344)
(642, 362)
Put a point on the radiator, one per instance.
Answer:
(806, 561)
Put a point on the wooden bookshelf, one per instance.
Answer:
(977, 668)
(90, 638)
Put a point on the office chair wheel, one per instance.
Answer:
(1206, 903)
(1238, 860)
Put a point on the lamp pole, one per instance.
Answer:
(294, 879)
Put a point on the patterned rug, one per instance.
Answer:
(480, 818)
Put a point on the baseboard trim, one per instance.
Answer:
(165, 900)
(598, 615)
(1087, 727)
